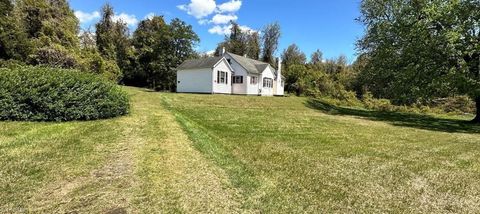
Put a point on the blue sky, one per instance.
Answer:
(328, 25)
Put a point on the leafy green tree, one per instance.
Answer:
(237, 40)
(293, 56)
(13, 41)
(160, 48)
(253, 45)
(184, 39)
(124, 53)
(51, 28)
(270, 36)
(290, 57)
(49, 22)
(423, 49)
(104, 33)
(316, 58)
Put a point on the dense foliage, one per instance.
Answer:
(47, 94)
(248, 42)
(416, 51)
(160, 47)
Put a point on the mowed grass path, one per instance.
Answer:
(187, 153)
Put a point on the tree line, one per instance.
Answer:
(414, 52)
(46, 33)
(249, 42)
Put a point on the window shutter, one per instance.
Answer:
(218, 77)
(226, 78)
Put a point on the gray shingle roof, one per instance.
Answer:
(251, 65)
(199, 63)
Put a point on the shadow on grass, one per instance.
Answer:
(399, 118)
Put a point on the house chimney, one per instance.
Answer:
(223, 51)
(279, 91)
(279, 67)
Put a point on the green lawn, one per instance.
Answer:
(226, 154)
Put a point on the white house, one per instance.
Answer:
(230, 74)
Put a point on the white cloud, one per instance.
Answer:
(226, 29)
(223, 19)
(247, 29)
(149, 16)
(203, 21)
(199, 8)
(220, 30)
(222, 14)
(230, 7)
(87, 17)
(130, 20)
(211, 52)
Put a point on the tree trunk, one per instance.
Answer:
(477, 118)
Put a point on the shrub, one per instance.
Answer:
(458, 104)
(47, 94)
(92, 61)
(377, 104)
(54, 56)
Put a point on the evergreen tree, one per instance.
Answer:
(271, 36)
(13, 42)
(253, 45)
(105, 29)
(52, 28)
(316, 58)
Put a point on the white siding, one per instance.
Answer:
(222, 88)
(268, 73)
(253, 89)
(279, 87)
(239, 71)
(194, 81)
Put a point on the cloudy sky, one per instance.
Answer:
(312, 24)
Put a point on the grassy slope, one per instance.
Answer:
(290, 154)
(200, 153)
(139, 163)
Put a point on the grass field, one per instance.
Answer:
(187, 153)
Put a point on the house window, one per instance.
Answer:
(253, 80)
(222, 77)
(237, 79)
(267, 82)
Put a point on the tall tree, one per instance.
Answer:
(253, 45)
(184, 40)
(104, 30)
(237, 40)
(124, 55)
(13, 41)
(316, 58)
(419, 50)
(52, 29)
(271, 36)
(160, 48)
(49, 22)
(293, 56)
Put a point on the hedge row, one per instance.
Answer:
(48, 94)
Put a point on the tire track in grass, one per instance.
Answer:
(175, 176)
(250, 187)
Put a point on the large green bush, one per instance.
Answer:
(47, 94)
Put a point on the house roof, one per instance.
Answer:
(199, 63)
(251, 65)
